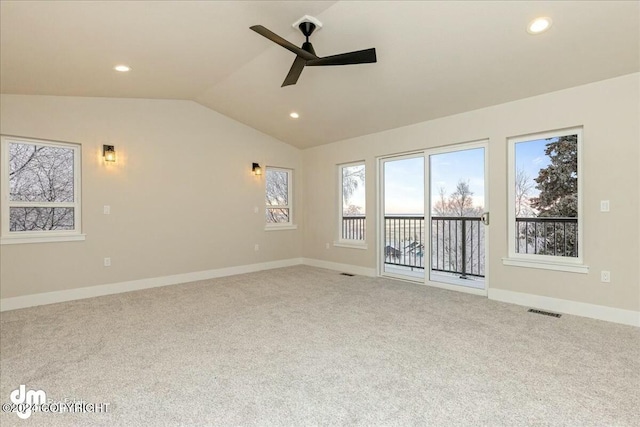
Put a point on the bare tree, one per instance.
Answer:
(447, 234)
(40, 174)
(353, 210)
(462, 201)
(352, 178)
(459, 203)
(277, 195)
(441, 207)
(353, 222)
(524, 185)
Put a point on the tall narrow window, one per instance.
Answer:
(41, 191)
(352, 202)
(545, 187)
(278, 197)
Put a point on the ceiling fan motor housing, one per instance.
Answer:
(308, 47)
(308, 19)
(307, 28)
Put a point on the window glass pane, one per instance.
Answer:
(39, 173)
(277, 215)
(39, 219)
(277, 188)
(353, 202)
(353, 191)
(546, 196)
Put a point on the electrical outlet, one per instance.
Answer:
(255, 210)
(604, 206)
(107, 262)
(605, 276)
(106, 210)
(326, 246)
(256, 247)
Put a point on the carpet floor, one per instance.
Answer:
(306, 346)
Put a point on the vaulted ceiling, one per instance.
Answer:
(435, 58)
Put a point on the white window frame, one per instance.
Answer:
(18, 237)
(281, 225)
(342, 242)
(547, 262)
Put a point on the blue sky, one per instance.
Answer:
(448, 169)
(404, 186)
(530, 158)
(404, 178)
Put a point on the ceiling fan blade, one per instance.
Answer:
(358, 57)
(294, 72)
(282, 42)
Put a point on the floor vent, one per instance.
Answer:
(546, 313)
(347, 274)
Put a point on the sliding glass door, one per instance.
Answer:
(402, 241)
(458, 215)
(433, 216)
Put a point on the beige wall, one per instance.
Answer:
(182, 195)
(610, 113)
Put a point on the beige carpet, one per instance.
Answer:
(307, 346)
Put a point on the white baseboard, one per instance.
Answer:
(461, 287)
(600, 312)
(345, 268)
(25, 301)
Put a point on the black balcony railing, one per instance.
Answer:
(353, 227)
(547, 236)
(457, 244)
(404, 241)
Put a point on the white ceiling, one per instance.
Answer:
(435, 58)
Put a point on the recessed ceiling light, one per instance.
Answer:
(539, 25)
(122, 68)
(294, 115)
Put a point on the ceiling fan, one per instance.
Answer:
(306, 55)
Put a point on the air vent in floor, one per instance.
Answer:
(347, 274)
(545, 313)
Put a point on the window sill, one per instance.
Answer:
(546, 265)
(350, 245)
(16, 240)
(280, 227)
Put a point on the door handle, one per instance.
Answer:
(485, 218)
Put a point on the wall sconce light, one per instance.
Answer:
(256, 169)
(109, 153)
